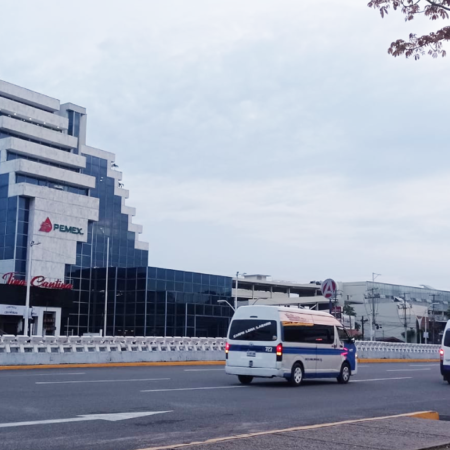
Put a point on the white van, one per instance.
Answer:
(293, 343)
(444, 353)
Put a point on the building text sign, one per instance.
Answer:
(47, 226)
(38, 281)
(12, 310)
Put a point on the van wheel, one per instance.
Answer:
(448, 380)
(344, 376)
(245, 379)
(296, 377)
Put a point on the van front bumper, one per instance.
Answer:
(254, 371)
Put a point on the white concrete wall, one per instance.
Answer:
(39, 170)
(32, 115)
(56, 248)
(50, 154)
(41, 134)
(29, 97)
(19, 359)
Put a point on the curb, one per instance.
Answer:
(379, 360)
(132, 364)
(182, 363)
(418, 415)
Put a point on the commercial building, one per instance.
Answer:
(65, 225)
(388, 311)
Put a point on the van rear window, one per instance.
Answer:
(447, 338)
(253, 330)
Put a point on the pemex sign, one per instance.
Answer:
(47, 227)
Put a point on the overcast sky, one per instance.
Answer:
(264, 136)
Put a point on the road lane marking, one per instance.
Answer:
(203, 370)
(108, 417)
(381, 379)
(424, 365)
(405, 370)
(195, 389)
(100, 381)
(40, 374)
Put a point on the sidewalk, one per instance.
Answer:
(397, 433)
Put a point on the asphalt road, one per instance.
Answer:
(199, 402)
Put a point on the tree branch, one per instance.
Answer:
(437, 5)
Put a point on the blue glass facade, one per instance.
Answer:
(142, 300)
(150, 301)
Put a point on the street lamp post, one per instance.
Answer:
(27, 295)
(372, 327)
(106, 284)
(236, 292)
(434, 319)
(227, 302)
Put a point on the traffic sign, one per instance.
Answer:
(328, 288)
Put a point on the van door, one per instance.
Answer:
(252, 343)
(329, 356)
(299, 345)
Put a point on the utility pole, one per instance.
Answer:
(372, 328)
(405, 321)
(236, 293)
(363, 321)
(434, 318)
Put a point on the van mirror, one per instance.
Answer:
(350, 340)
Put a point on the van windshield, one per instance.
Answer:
(253, 330)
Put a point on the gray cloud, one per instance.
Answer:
(258, 135)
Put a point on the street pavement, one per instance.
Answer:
(109, 408)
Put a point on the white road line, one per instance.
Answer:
(203, 370)
(100, 381)
(41, 374)
(381, 379)
(195, 389)
(425, 365)
(108, 417)
(405, 370)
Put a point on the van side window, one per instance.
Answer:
(316, 334)
(447, 338)
(343, 336)
(325, 334)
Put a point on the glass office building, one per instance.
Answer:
(64, 220)
(149, 301)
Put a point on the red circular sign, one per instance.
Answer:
(328, 288)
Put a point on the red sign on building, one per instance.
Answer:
(38, 281)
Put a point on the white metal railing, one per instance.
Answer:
(396, 348)
(80, 344)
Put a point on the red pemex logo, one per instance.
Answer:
(46, 226)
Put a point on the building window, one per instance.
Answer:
(74, 123)
(61, 186)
